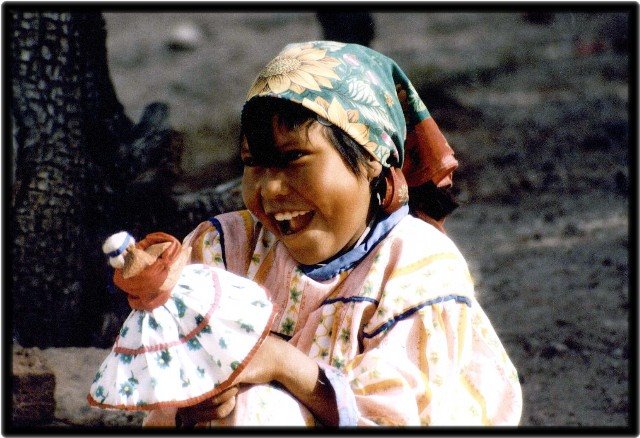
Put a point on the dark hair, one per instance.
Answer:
(257, 128)
(434, 201)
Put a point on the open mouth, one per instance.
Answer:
(291, 222)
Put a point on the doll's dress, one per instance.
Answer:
(188, 349)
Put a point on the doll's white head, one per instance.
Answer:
(116, 246)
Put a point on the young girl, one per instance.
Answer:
(379, 324)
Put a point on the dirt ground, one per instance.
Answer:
(536, 108)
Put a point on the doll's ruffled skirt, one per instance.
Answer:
(188, 349)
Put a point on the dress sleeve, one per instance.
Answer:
(206, 245)
(345, 400)
(432, 357)
(442, 366)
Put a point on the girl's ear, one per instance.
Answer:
(374, 168)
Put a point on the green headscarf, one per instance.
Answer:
(369, 97)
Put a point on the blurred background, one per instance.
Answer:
(535, 104)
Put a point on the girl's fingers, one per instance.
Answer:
(212, 408)
(224, 409)
(224, 395)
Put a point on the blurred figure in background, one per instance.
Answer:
(347, 27)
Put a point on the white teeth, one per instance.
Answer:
(288, 215)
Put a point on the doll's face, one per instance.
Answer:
(308, 198)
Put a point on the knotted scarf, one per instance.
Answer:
(369, 97)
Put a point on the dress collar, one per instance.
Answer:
(326, 271)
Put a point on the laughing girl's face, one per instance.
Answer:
(306, 195)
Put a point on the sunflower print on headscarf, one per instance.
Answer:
(296, 69)
(353, 87)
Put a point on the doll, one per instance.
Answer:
(191, 330)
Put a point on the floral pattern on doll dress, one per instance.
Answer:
(188, 349)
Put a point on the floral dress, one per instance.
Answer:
(394, 323)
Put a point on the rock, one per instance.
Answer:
(553, 349)
(521, 378)
(508, 159)
(595, 142)
(74, 369)
(619, 352)
(33, 388)
(185, 37)
(538, 17)
(572, 343)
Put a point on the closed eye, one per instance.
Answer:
(280, 160)
(291, 156)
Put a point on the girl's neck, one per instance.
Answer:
(373, 234)
(345, 250)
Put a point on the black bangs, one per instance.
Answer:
(256, 126)
(256, 122)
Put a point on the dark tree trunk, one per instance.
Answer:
(82, 171)
(52, 185)
(76, 156)
(347, 27)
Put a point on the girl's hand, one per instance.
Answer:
(277, 360)
(262, 368)
(212, 408)
(266, 365)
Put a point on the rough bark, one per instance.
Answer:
(82, 171)
(81, 166)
